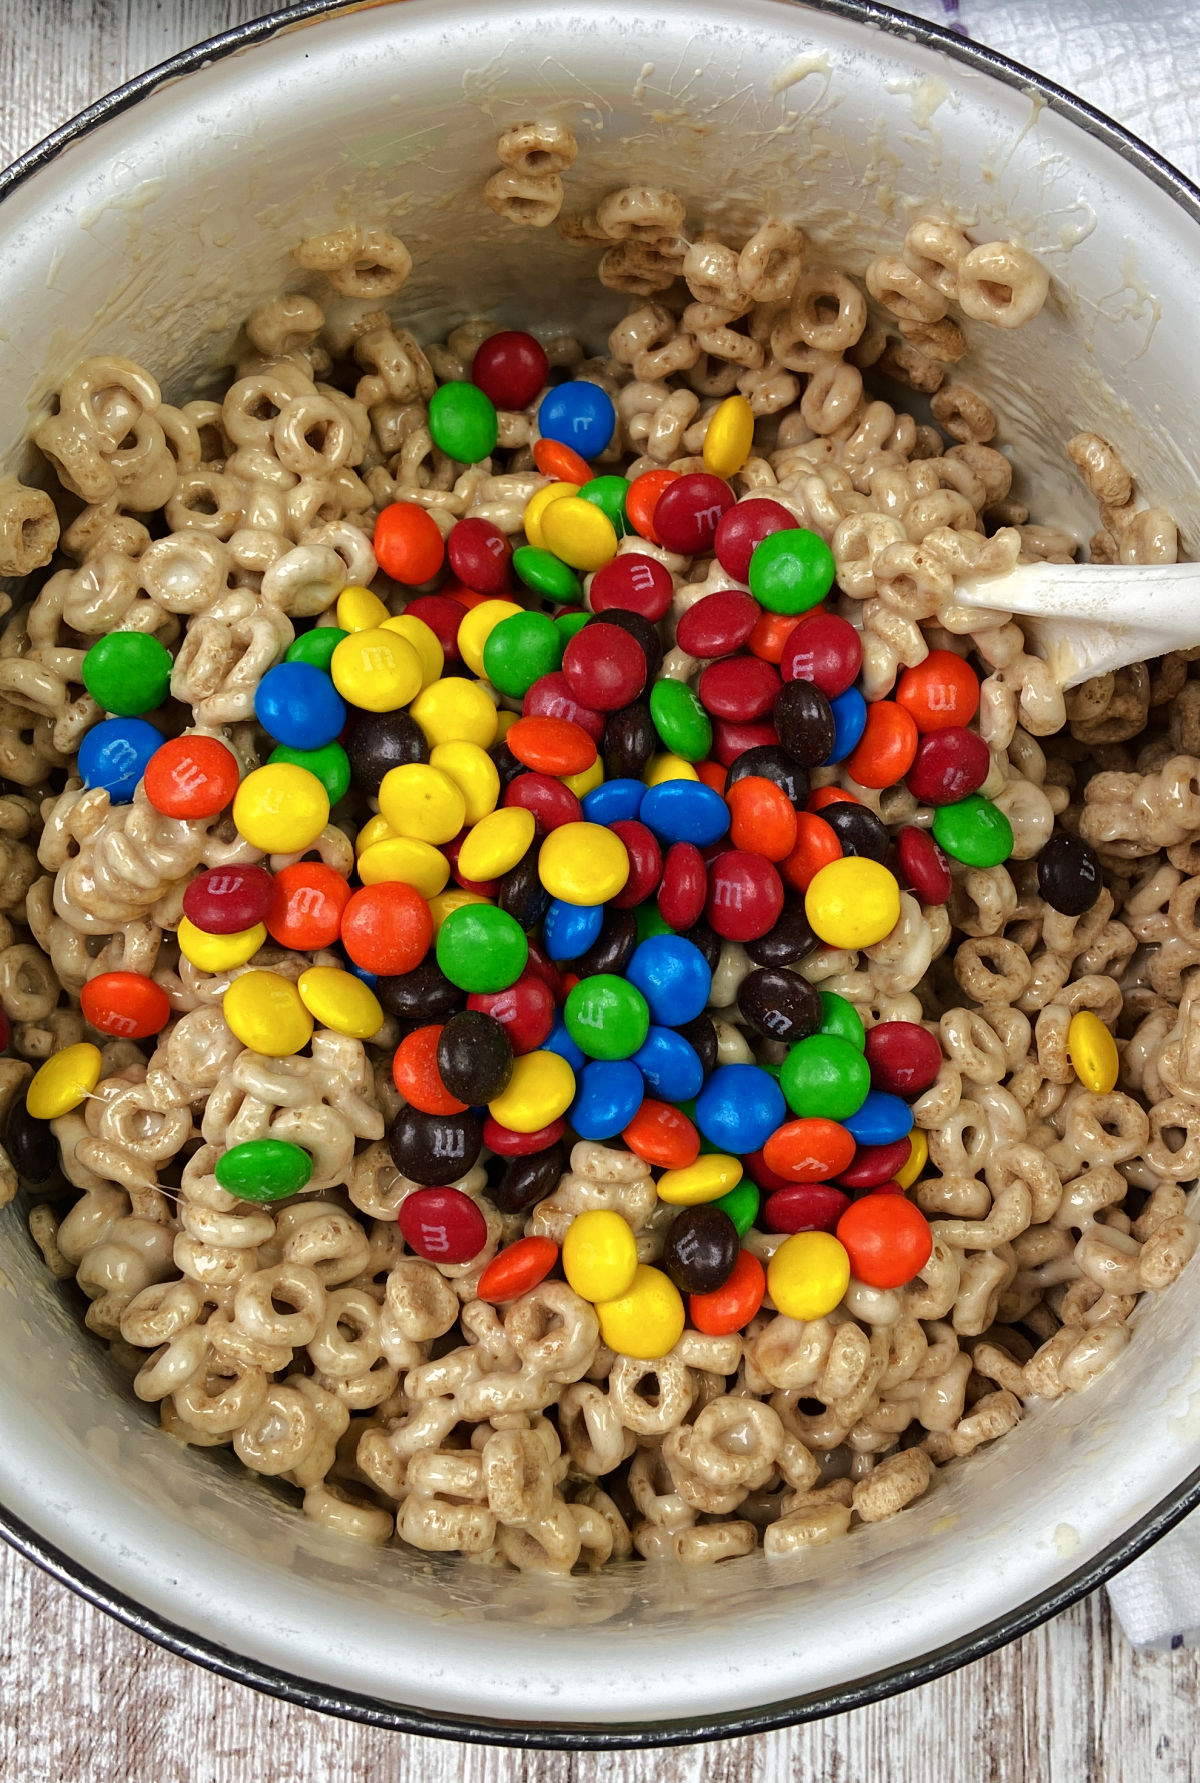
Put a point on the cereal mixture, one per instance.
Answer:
(560, 994)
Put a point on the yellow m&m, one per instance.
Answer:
(1093, 1053)
(542, 1087)
(647, 1320)
(808, 1275)
(218, 953)
(281, 808)
(419, 801)
(586, 780)
(916, 1161)
(599, 1255)
(668, 767)
(340, 1001)
(360, 610)
(445, 903)
(477, 627)
(376, 671)
(583, 863)
(64, 1081)
(497, 842)
(266, 1013)
(424, 641)
(535, 509)
(415, 863)
(474, 773)
(729, 437)
(707, 1179)
(376, 829)
(579, 532)
(852, 903)
(455, 711)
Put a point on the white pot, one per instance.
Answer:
(149, 227)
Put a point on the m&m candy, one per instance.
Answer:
(580, 415)
(263, 1169)
(127, 1004)
(191, 777)
(562, 892)
(115, 754)
(128, 673)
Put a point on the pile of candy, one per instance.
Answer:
(543, 894)
(566, 998)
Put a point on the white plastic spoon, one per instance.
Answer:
(1088, 618)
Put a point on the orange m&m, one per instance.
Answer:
(816, 845)
(942, 691)
(125, 1003)
(554, 746)
(307, 905)
(663, 1136)
(408, 545)
(555, 459)
(387, 928)
(731, 1306)
(762, 817)
(191, 777)
(641, 499)
(516, 1269)
(416, 1075)
(830, 795)
(812, 1149)
(887, 748)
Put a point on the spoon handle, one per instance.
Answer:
(1086, 619)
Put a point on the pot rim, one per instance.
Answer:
(791, 1711)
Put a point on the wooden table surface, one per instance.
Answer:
(84, 1698)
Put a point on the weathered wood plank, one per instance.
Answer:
(1070, 1704)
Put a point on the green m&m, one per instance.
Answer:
(264, 1170)
(825, 1075)
(651, 921)
(128, 673)
(481, 948)
(973, 831)
(316, 647)
(569, 623)
(463, 422)
(791, 570)
(842, 1019)
(608, 494)
(680, 720)
(330, 764)
(741, 1204)
(547, 574)
(520, 650)
(607, 1017)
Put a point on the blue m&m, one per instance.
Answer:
(579, 414)
(570, 929)
(673, 976)
(685, 811)
(114, 753)
(739, 1108)
(608, 1094)
(298, 705)
(670, 1065)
